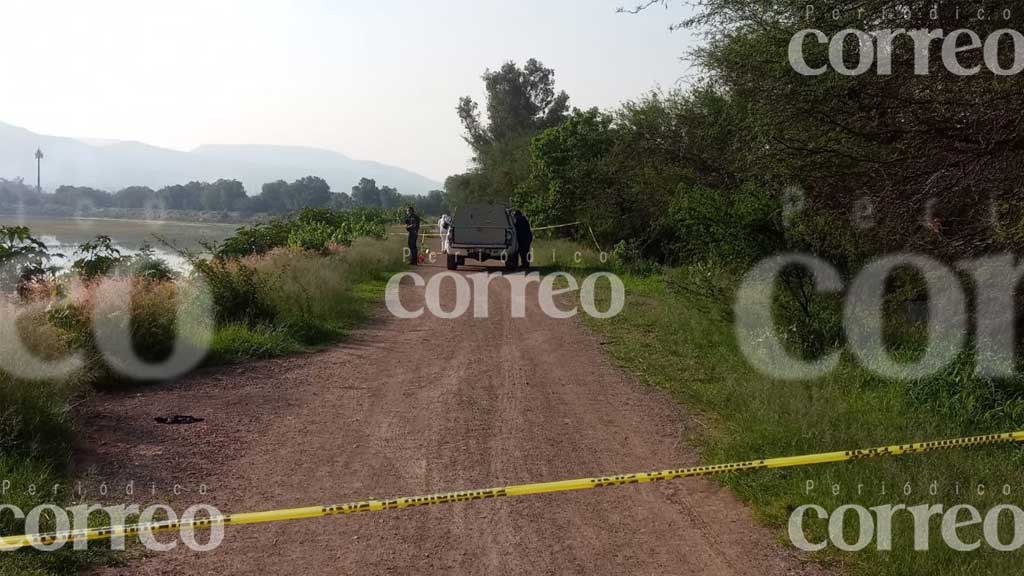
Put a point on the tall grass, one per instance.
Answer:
(36, 432)
(308, 299)
(569, 256)
(280, 302)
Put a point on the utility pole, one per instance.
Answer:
(39, 162)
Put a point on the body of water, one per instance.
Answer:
(64, 235)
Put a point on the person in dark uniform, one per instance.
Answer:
(412, 226)
(524, 236)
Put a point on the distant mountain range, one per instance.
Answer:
(113, 165)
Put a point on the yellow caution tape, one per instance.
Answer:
(17, 542)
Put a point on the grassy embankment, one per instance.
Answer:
(298, 300)
(676, 332)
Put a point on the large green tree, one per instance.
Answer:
(366, 193)
(224, 195)
(82, 197)
(135, 197)
(521, 101)
(307, 192)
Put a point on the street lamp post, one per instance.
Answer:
(39, 162)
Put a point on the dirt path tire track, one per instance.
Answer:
(420, 406)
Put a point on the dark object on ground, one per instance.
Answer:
(178, 419)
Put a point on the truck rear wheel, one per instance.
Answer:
(453, 262)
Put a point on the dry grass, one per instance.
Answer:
(312, 300)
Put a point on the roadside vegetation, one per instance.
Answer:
(289, 285)
(676, 332)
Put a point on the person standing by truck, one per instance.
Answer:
(412, 226)
(524, 237)
(444, 223)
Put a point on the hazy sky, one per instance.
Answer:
(373, 80)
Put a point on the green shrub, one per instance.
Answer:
(742, 226)
(239, 292)
(24, 260)
(628, 257)
(148, 266)
(311, 229)
(239, 342)
(256, 239)
(313, 295)
(99, 258)
(315, 299)
(314, 236)
(154, 325)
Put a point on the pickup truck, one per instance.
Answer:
(481, 232)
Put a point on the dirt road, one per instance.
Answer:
(420, 406)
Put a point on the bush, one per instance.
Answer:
(99, 258)
(240, 342)
(313, 296)
(151, 322)
(311, 229)
(146, 265)
(740, 226)
(24, 260)
(239, 292)
(628, 257)
(256, 239)
(314, 236)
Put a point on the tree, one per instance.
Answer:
(570, 165)
(82, 198)
(24, 260)
(520, 103)
(224, 195)
(273, 197)
(467, 187)
(390, 198)
(15, 193)
(340, 201)
(135, 197)
(308, 192)
(366, 193)
(179, 197)
(280, 196)
(935, 157)
(98, 257)
(434, 203)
